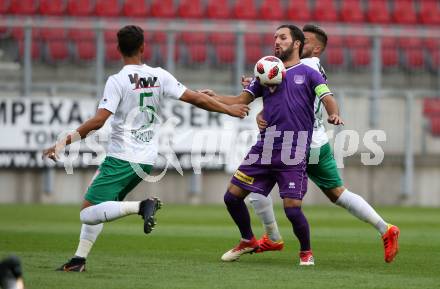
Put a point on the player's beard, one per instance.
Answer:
(284, 55)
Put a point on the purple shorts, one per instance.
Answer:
(261, 178)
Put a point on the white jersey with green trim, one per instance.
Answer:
(319, 137)
(133, 96)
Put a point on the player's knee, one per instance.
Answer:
(231, 199)
(87, 216)
(334, 193)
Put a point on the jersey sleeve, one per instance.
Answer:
(254, 88)
(171, 87)
(112, 96)
(319, 85)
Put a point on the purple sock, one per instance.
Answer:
(240, 214)
(300, 226)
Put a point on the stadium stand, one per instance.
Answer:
(80, 7)
(410, 52)
(299, 11)
(378, 12)
(429, 12)
(135, 8)
(271, 10)
(52, 7)
(107, 8)
(325, 11)
(351, 11)
(431, 111)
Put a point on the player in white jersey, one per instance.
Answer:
(132, 96)
(324, 173)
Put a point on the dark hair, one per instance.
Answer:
(130, 39)
(319, 33)
(296, 34)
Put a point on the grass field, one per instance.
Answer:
(184, 251)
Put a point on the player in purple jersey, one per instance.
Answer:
(279, 156)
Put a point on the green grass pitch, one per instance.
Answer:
(185, 248)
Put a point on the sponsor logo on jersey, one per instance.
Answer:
(299, 78)
(243, 177)
(143, 82)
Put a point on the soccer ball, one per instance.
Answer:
(269, 70)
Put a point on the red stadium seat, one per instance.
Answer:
(389, 42)
(222, 37)
(325, 11)
(432, 44)
(299, 10)
(358, 41)
(193, 37)
(431, 106)
(163, 8)
(191, 9)
(334, 56)
(218, 9)
(110, 35)
(24, 7)
(80, 7)
(85, 50)
(361, 56)
(225, 54)
(435, 125)
(111, 51)
(81, 34)
(163, 48)
(404, 12)
(135, 8)
(378, 12)
(268, 39)
(18, 33)
(390, 57)
(414, 58)
(252, 39)
(57, 50)
(52, 7)
(148, 53)
(253, 53)
(434, 60)
(335, 41)
(198, 53)
(245, 9)
(4, 6)
(351, 11)
(159, 37)
(429, 12)
(271, 10)
(48, 34)
(410, 42)
(107, 8)
(35, 50)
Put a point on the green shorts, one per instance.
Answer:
(325, 173)
(113, 180)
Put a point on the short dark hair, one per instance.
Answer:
(130, 39)
(296, 34)
(319, 33)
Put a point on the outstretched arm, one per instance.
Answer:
(332, 110)
(81, 132)
(207, 102)
(244, 98)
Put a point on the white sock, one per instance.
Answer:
(87, 238)
(359, 208)
(264, 209)
(108, 211)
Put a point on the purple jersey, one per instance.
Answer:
(291, 106)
